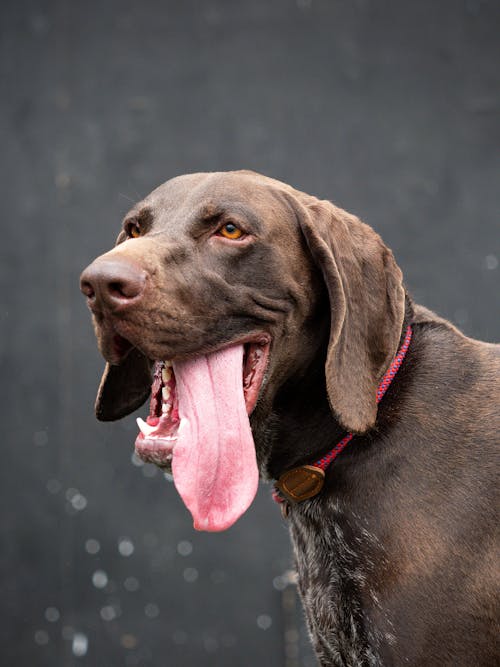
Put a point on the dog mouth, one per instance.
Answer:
(198, 429)
(158, 433)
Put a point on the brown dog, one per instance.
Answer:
(237, 295)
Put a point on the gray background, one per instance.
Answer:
(389, 108)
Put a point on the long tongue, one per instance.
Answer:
(214, 464)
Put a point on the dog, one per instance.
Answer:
(265, 324)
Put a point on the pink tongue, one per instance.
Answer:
(214, 465)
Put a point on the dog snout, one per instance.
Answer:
(112, 284)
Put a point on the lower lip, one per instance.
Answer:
(155, 450)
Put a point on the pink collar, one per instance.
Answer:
(307, 481)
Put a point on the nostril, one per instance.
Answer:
(126, 287)
(117, 289)
(87, 289)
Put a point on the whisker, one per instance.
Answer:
(121, 194)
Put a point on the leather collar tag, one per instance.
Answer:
(301, 483)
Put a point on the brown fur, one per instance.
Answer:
(397, 556)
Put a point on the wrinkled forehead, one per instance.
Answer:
(187, 197)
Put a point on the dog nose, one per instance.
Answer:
(113, 283)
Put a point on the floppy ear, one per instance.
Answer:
(123, 388)
(367, 301)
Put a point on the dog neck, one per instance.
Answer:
(302, 409)
(307, 481)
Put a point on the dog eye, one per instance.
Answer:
(133, 230)
(230, 231)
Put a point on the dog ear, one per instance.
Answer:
(123, 388)
(367, 301)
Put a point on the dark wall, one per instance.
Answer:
(389, 108)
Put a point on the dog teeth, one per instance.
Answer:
(168, 364)
(145, 429)
(166, 375)
(165, 393)
(166, 407)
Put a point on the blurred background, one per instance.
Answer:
(389, 108)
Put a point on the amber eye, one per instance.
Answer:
(230, 231)
(133, 230)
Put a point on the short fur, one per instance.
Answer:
(397, 556)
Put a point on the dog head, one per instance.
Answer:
(212, 262)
